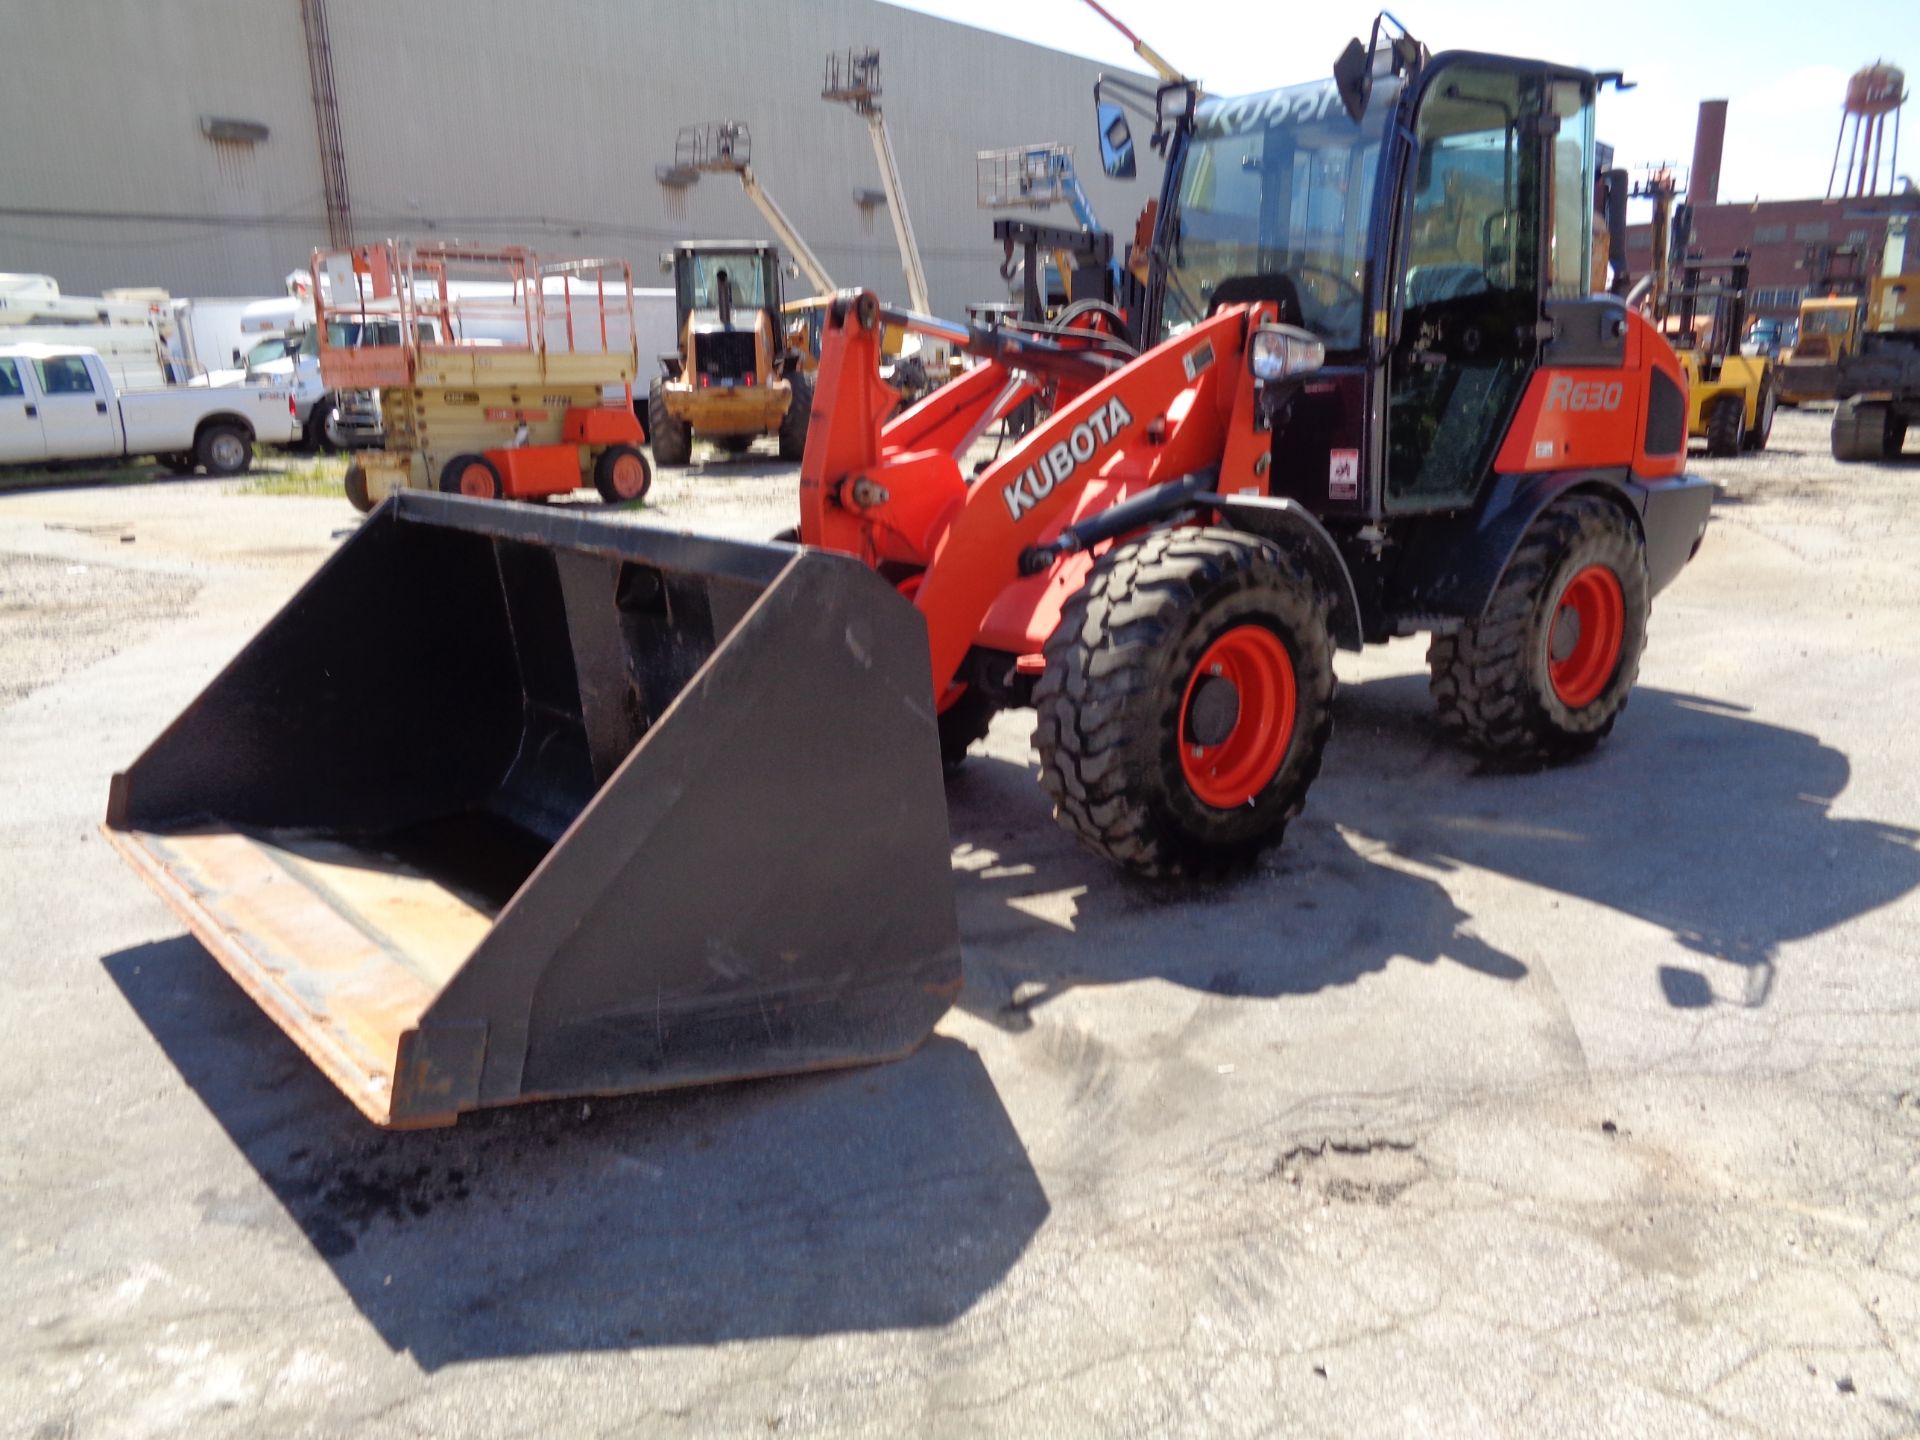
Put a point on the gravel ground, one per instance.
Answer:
(1584, 1102)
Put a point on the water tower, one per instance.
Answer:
(1872, 95)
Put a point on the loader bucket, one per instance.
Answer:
(509, 803)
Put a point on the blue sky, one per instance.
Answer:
(1784, 77)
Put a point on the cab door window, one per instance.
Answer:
(1469, 283)
(64, 375)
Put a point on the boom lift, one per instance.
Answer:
(632, 809)
(855, 80)
(727, 148)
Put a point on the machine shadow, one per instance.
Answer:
(1693, 817)
(1040, 916)
(812, 1206)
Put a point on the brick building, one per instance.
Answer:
(1797, 246)
(1791, 242)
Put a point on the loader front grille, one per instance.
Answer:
(724, 355)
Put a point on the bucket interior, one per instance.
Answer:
(345, 811)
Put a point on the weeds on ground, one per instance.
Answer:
(296, 475)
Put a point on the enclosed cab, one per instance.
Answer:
(734, 375)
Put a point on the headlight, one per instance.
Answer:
(1279, 351)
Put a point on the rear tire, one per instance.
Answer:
(1757, 437)
(1862, 430)
(356, 483)
(1135, 724)
(224, 450)
(798, 419)
(1726, 425)
(672, 439)
(471, 475)
(621, 475)
(1545, 672)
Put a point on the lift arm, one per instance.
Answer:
(726, 147)
(873, 488)
(916, 273)
(784, 232)
(858, 85)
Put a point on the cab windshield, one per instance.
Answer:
(1280, 184)
(745, 276)
(1828, 321)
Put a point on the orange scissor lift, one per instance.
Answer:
(496, 370)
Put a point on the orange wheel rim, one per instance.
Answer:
(1583, 643)
(629, 476)
(1237, 716)
(476, 481)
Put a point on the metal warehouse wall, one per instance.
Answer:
(536, 121)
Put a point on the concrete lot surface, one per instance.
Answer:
(1576, 1103)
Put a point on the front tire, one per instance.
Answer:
(1544, 673)
(356, 484)
(473, 476)
(672, 439)
(1187, 702)
(1726, 426)
(799, 417)
(621, 475)
(1756, 438)
(323, 424)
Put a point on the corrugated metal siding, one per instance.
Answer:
(504, 120)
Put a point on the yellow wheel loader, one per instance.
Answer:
(735, 377)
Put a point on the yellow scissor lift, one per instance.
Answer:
(494, 369)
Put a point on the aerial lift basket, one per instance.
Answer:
(509, 804)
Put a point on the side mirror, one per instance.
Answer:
(1116, 140)
(1353, 77)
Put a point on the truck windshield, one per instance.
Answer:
(268, 351)
(1280, 184)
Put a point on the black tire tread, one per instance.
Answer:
(1860, 430)
(1481, 677)
(1103, 677)
(798, 419)
(672, 439)
(1726, 426)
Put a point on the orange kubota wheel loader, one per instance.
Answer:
(620, 808)
(1382, 402)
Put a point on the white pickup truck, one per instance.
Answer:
(57, 402)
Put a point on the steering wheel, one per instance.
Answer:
(1341, 282)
